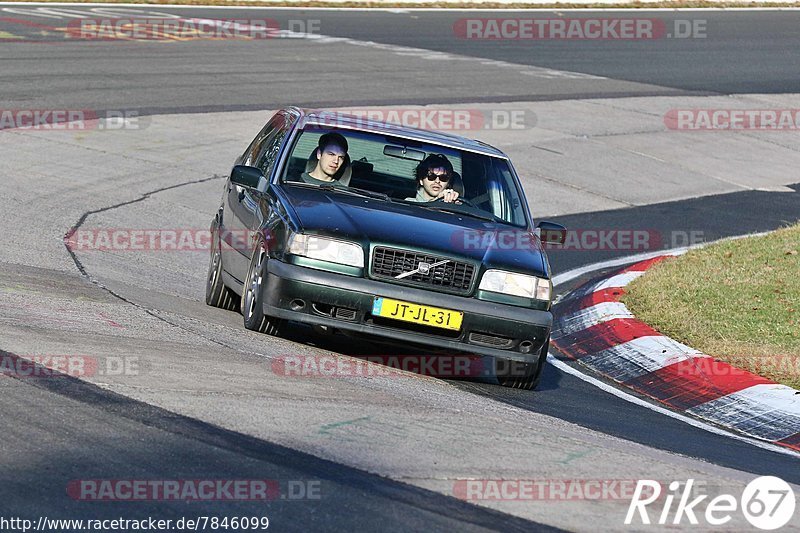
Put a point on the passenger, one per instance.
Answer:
(434, 176)
(332, 160)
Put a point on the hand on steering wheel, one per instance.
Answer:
(456, 200)
(447, 196)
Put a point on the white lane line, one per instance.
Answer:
(423, 53)
(109, 10)
(420, 53)
(664, 411)
(619, 281)
(569, 275)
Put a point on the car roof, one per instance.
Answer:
(336, 119)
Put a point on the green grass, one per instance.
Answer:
(737, 300)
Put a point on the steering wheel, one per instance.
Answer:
(459, 200)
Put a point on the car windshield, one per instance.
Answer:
(388, 165)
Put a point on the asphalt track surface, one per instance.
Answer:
(753, 52)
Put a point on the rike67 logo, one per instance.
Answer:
(767, 503)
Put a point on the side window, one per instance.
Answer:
(268, 155)
(255, 147)
(509, 199)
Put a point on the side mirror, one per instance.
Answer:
(551, 233)
(246, 176)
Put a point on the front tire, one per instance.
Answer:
(525, 376)
(217, 293)
(252, 302)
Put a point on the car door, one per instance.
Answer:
(243, 215)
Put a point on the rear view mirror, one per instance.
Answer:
(402, 152)
(551, 233)
(246, 176)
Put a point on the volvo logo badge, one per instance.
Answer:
(422, 268)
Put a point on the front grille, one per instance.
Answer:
(455, 276)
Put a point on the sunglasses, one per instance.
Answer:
(444, 178)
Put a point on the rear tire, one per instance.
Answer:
(217, 293)
(525, 376)
(253, 296)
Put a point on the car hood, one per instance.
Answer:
(371, 221)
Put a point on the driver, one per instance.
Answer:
(331, 157)
(434, 175)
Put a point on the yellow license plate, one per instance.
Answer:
(419, 314)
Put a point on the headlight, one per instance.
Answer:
(516, 284)
(324, 249)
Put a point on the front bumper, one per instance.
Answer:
(345, 302)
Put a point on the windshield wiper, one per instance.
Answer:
(344, 188)
(482, 215)
(356, 191)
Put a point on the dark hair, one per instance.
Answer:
(332, 138)
(433, 161)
